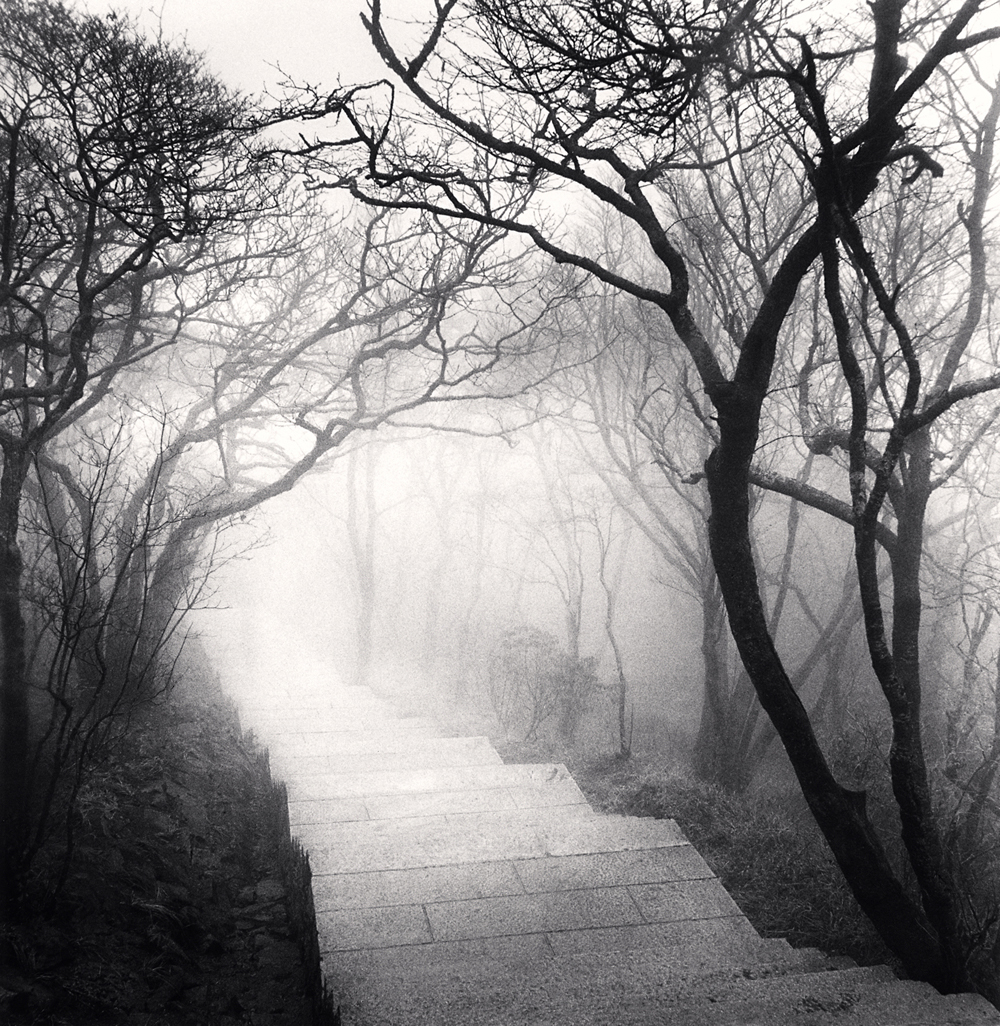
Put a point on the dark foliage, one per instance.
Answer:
(187, 901)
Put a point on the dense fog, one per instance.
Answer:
(638, 405)
(464, 548)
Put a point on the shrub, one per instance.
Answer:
(536, 687)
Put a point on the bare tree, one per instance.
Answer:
(644, 431)
(610, 580)
(112, 577)
(600, 98)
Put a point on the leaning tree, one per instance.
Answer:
(864, 108)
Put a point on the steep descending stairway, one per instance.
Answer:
(452, 889)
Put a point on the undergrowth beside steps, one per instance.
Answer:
(772, 860)
(187, 903)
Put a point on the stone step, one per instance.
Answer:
(475, 918)
(393, 991)
(509, 915)
(439, 754)
(726, 941)
(318, 721)
(437, 843)
(374, 833)
(843, 998)
(702, 945)
(653, 992)
(392, 831)
(516, 902)
(291, 763)
(325, 698)
(323, 738)
(558, 794)
(389, 741)
(516, 876)
(445, 778)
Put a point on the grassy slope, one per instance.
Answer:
(173, 911)
(773, 862)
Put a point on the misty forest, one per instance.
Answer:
(627, 374)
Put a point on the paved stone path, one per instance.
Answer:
(452, 890)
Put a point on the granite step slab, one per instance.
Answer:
(322, 742)
(415, 886)
(325, 699)
(446, 778)
(607, 982)
(516, 876)
(476, 918)
(398, 832)
(331, 810)
(306, 688)
(438, 843)
(325, 720)
(719, 947)
(322, 723)
(602, 869)
(843, 998)
(556, 794)
(514, 914)
(392, 742)
(322, 738)
(320, 698)
(395, 832)
(730, 941)
(442, 752)
(859, 997)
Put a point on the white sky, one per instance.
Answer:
(312, 40)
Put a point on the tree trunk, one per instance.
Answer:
(709, 747)
(840, 812)
(361, 534)
(907, 762)
(611, 601)
(727, 750)
(15, 722)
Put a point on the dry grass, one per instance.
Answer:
(772, 859)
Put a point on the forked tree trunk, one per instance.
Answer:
(898, 669)
(840, 812)
(728, 751)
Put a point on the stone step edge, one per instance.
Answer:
(817, 1000)
(722, 989)
(770, 957)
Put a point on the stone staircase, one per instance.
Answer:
(453, 889)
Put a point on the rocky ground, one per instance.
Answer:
(180, 904)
